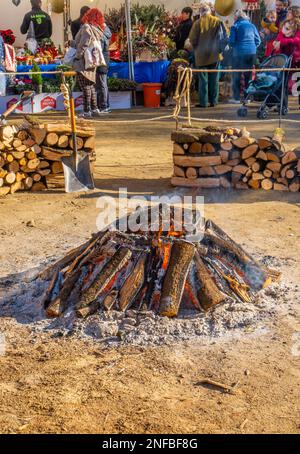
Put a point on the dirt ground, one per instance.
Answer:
(67, 385)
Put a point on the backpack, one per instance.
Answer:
(93, 55)
(10, 58)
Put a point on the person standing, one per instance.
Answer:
(205, 38)
(184, 28)
(282, 11)
(41, 21)
(92, 29)
(76, 24)
(244, 40)
(101, 77)
(269, 32)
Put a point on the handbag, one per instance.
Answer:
(10, 58)
(93, 55)
(70, 56)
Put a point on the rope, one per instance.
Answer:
(183, 92)
(146, 120)
(30, 73)
(220, 70)
(65, 91)
(182, 95)
(183, 89)
(257, 70)
(214, 120)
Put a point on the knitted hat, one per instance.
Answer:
(225, 7)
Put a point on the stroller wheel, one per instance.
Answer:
(242, 111)
(284, 111)
(263, 114)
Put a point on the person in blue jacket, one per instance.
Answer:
(244, 40)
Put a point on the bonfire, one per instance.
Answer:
(163, 271)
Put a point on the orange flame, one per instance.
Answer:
(166, 255)
(190, 293)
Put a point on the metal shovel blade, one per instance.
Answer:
(78, 178)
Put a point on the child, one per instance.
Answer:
(269, 32)
(288, 40)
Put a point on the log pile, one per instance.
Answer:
(161, 272)
(31, 155)
(231, 158)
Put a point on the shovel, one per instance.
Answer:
(26, 95)
(77, 169)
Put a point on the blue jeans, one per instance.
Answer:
(241, 62)
(102, 91)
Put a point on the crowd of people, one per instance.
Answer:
(210, 42)
(213, 45)
(88, 29)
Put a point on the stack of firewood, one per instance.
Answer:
(31, 155)
(218, 157)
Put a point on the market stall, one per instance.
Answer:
(145, 60)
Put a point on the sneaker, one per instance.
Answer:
(234, 101)
(96, 113)
(105, 111)
(86, 115)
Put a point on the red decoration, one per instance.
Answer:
(251, 5)
(8, 36)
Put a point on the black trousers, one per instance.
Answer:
(88, 89)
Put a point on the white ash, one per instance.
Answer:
(21, 301)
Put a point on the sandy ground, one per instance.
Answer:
(63, 385)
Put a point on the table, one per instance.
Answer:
(145, 72)
(153, 72)
(47, 68)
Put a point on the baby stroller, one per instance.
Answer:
(269, 88)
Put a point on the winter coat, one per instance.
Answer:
(290, 46)
(182, 33)
(244, 38)
(281, 17)
(205, 37)
(269, 38)
(42, 24)
(107, 35)
(75, 27)
(82, 42)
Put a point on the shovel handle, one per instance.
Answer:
(13, 107)
(73, 115)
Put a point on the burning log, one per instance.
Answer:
(161, 272)
(180, 262)
(133, 284)
(59, 305)
(209, 294)
(110, 300)
(104, 277)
